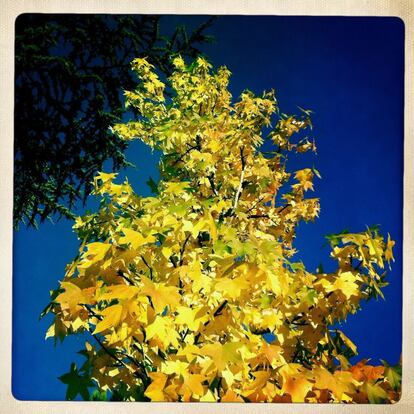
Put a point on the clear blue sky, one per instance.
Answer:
(349, 71)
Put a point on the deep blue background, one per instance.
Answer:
(349, 71)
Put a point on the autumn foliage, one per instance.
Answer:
(195, 294)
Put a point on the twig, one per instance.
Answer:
(183, 250)
(142, 374)
(255, 204)
(240, 187)
(284, 207)
(122, 274)
(212, 185)
(149, 267)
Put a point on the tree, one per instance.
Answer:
(194, 294)
(68, 72)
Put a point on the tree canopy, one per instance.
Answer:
(68, 73)
(195, 293)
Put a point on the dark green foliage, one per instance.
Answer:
(70, 70)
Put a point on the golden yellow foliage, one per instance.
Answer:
(179, 289)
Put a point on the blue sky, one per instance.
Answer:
(349, 71)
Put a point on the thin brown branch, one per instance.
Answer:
(149, 267)
(283, 208)
(212, 185)
(122, 274)
(182, 250)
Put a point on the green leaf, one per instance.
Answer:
(77, 384)
(393, 375)
(335, 238)
(152, 185)
(376, 394)
(316, 172)
(98, 396)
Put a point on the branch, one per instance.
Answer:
(149, 267)
(212, 185)
(91, 311)
(183, 250)
(284, 207)
(240, 188)
(254, 216)
(141, 373)
(255, 204)
(197, 147)
(122, 274)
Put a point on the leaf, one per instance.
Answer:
(162, 329)
(388, 251)
(152, 185)
(135, 238)
(376, 394)
(231, 396)
(393, 376)
(345, 283)
(193, 318)
(77, 384)
(117, 292)
(295, 382)
(363, 372)
(347, 342)
(335, 238)
(72, 297)
(155, 390)
(221, 355)
(208, 397)
(231, 288)
(160, 294)
(194, 383)
(95, 253)
(99, 396)
(112, 318)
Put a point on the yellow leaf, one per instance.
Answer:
(135, 238)
(175, 187)
(163, 329)
(213, 227)
(166, 252)
(194, 383)
(193, 318)
(175, 367)
(72, 297)
(161, 295)
(347, 342)
(118, 292)
(105, 177)
(208, 397)
(223, 354)
(346, 283)
(112, 318)
(232, 288)
(295, 382)
(96, 252)
(231, 396)
(155, 390)
(388, 251)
